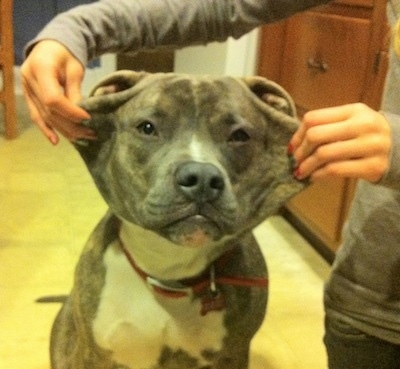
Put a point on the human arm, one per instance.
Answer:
(105, 26)
(91, 30)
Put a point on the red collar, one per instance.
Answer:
(204, 285)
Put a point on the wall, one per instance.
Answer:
(233, 57)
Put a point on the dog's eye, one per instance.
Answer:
(147, 128)
(239, 135)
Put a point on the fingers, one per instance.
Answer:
(309, 135)
(347, 141)
(54, 112)
(359, 158)
(51, 80)
(37, 119)
(320, 135)
(367, 169)
(73, 81)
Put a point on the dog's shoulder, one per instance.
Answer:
(91, 270)
(106, 232)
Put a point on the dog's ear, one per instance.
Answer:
(280, 113)
(117, 82)
(278, 107)
(271, 94)
(105, 98)
(112, 91)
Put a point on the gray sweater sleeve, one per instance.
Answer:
(127, 25)
(392, 177)
(391, 107)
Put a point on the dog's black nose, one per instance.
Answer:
(201, 182)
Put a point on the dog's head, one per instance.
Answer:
(193, 159)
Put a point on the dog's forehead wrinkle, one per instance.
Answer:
(180, 88)
(207, 94)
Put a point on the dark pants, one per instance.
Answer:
(349, 348)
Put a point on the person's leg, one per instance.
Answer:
(349, 348)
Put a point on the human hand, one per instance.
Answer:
(351, 141)
(51, 78)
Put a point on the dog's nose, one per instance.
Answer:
(201, 182)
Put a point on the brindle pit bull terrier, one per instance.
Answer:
(172, 277)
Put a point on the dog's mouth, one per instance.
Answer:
(193, 231)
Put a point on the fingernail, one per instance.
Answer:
(290, 149)
(297, 173)
(53, 140)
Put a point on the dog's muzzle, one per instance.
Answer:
(202, 185)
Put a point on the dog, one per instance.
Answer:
(172, 277)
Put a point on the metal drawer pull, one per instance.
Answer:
(320, 66)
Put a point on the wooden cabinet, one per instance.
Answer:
(330, 58)
(331, 55)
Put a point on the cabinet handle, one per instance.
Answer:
(320, 66)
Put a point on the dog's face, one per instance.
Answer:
(193, 159)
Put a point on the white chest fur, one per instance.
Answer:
(136, 323)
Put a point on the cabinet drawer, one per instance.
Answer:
(324, 62)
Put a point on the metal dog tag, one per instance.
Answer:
(214, 300)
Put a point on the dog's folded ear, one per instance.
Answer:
(112, 91)
(104, 99)
(277, 105)
(280, 110)
(272, 94)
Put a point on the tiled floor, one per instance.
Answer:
(48, 206)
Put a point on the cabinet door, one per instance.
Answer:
(324, 61)
(325, 64)
(326, 57)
